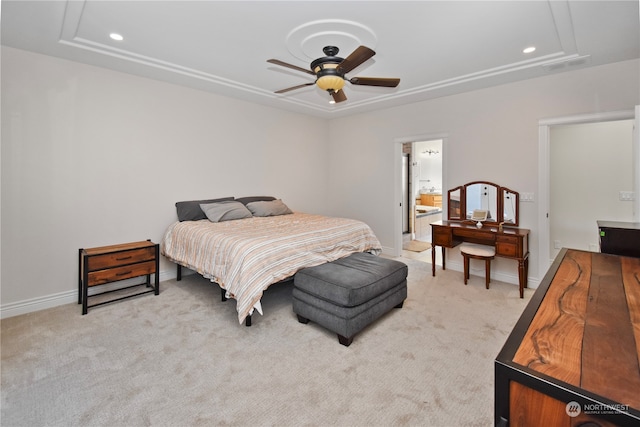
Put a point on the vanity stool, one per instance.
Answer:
(475, 251)
(350, 293)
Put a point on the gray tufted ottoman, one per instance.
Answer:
(350, 293)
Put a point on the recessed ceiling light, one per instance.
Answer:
(116, 37)
(529, 49)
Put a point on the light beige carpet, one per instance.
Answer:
(416, 246)
(182, 359)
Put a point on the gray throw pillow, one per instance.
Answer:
(225, 211)
(269, 208)
(247, 200)
(191, 211)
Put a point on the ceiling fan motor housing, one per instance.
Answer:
(329, 77)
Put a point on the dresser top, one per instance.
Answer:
(118, 248)
(622, 225)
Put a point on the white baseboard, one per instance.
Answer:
(66, 297)
(37, 304)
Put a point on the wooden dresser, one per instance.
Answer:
(106, 264)
(573, 357)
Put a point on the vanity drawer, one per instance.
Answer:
(507, 246)
(474, 235)
(441, 236)
(110, 260)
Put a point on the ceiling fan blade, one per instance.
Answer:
(294, 67)
(294, 87)
(356, 58)
(339, 96)
(374, 81)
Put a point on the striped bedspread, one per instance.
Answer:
(246, 256)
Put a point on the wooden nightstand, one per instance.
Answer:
(106, 264)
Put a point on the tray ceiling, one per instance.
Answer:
(436, 48)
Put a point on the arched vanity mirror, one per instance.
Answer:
(455, 205)
(484, 196)
(501, 203)
(510, 202)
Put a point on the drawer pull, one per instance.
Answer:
(124, 273)
(122, 259)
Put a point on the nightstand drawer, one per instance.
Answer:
(120, 273)
(110, 260)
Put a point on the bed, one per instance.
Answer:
(245, 254)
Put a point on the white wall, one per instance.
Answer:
(93, 157)
(492, 135)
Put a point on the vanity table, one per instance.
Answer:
(499, 230)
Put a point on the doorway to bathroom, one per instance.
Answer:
(422, 195)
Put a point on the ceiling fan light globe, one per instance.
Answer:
(330, 82)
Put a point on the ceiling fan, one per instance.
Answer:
(330, 72)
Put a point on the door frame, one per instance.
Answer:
(397, 200)
(405, 175)
(544, 171)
